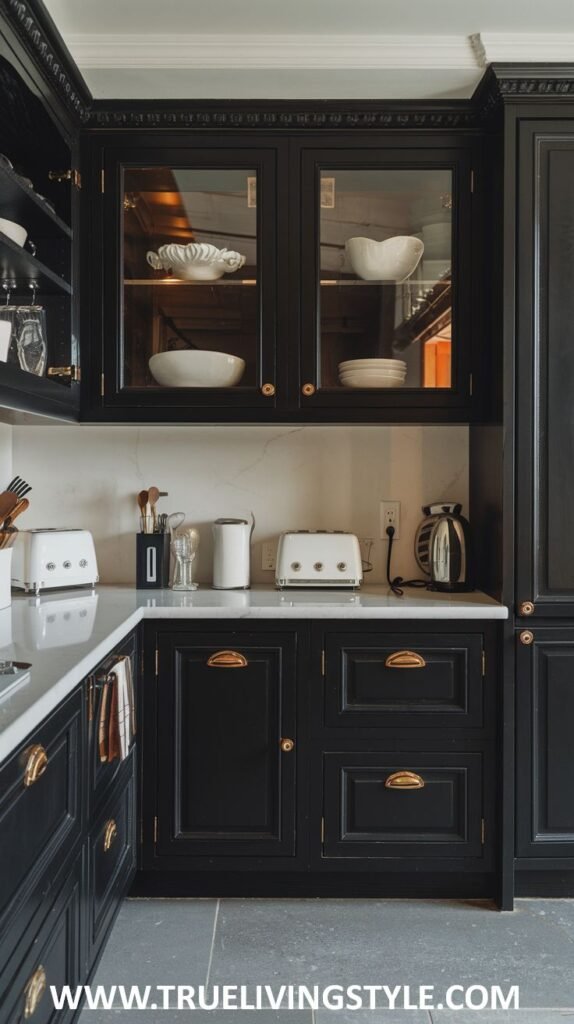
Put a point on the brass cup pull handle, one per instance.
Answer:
(404, 780)
(227, 659)
(287, 745)
(405, 659)
(110, 834)
(35, 988)
(36, 764)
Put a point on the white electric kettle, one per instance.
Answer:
(232, 553)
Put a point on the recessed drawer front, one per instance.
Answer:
(40, 815)
(111, 857)
(381, 680)
(51, 957)
(403, 804)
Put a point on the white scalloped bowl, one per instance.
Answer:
(392, 260)
(196, 369)
(197, 261)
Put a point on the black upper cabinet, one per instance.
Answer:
(545, 361)
(308, 283)
(39, 352)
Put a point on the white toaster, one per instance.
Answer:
(318, 558)
(50, 558)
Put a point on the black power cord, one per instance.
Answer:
(398, 582)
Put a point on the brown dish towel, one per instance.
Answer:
(117, 722)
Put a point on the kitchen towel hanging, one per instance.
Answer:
(117, 721)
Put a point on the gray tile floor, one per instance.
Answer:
(327, 942)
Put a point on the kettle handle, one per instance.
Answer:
(252, 524)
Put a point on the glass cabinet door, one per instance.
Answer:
(196, 278)
(380, 302)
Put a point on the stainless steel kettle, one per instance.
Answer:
(442, 546)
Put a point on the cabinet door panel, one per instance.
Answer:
(225, 784)
(545, 762)
(545, 358)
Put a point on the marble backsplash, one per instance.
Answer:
(292, 477)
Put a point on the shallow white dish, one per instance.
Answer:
(196, 369)
(373, 364)
(197, 261)
(400, 374)
(14, 231)
(393, 259)
(372, 382)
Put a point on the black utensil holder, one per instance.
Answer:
(152, 561)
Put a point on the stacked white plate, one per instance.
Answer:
(372, 373)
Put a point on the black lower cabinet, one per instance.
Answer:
(309, 759)
(226, 757)
(67, 854)
(545, 747)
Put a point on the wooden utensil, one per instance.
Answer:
(8, 502)
(153, 498)
(143, 499)
(22, 506)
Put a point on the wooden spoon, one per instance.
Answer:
(153, 498)
(8, 502)
(22, 506)
(142, 499)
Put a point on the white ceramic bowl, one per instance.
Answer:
(15, 231)
(393, 260)
(197, 261)
(196, 369)
(372, 373)
(358, 378)
(372, 365)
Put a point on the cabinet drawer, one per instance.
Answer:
(40, 817)
(111, 857)
(102, 773)
(52, 957)
(370, 811)
(407, 679)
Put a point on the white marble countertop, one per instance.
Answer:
(65, 635)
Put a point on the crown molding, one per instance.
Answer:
(287, 115)
(249, 52)
(522, 47)
(32, 23)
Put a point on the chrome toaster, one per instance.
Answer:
(318, 558)
(50, 558)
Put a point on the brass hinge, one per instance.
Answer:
(102, 385)
(155, 828)
(102, 181)
(157, 661)
(322, 830)
(483, 662)
(482, 831)
(322, 663)
(472, 181)
(470, 384)
(70, 372)
(72, 175)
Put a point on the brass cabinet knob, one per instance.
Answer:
(287, 745)
(268, 390)
(35, 988)
(110, 834)
(227, 659)
(526, 608)
(308, 390)
(36, 764)
(526, 637)
(405, 659)
(404, 780)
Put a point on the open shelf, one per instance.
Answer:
(20, 203)
(19, 266)
(25, 393)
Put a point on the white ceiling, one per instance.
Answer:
(305, 48)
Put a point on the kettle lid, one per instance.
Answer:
(231, 522)
(438, 508)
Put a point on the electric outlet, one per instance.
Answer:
(268, 552)
(390, 516)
